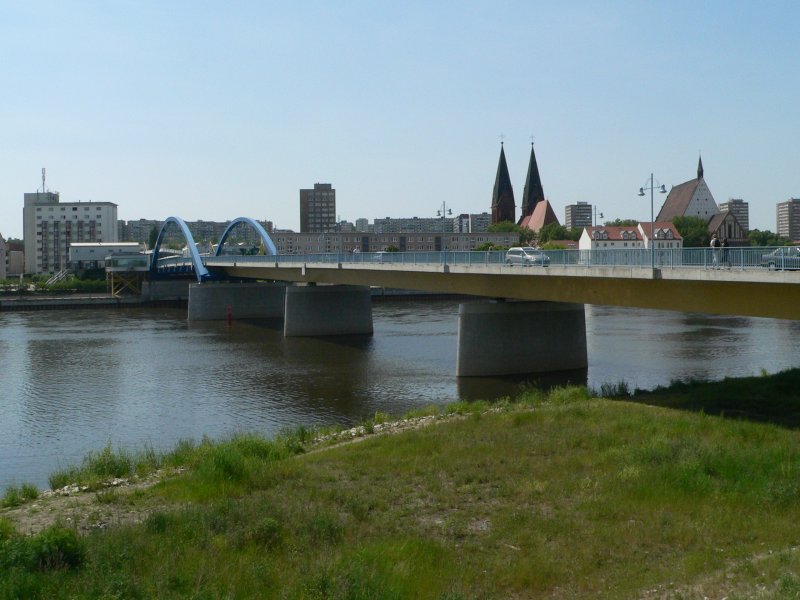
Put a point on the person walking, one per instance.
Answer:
(715, 251)
(725, 260)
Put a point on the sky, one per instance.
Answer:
(217, 110)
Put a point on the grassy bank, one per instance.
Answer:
(557, 495)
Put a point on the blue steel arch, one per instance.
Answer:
(199, 268)
(268, 245)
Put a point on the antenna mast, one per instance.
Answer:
(43, 176)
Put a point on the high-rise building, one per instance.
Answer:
(50, 226)
(578, 215)
(503, 207)
(788, 217)
(318, 209)
(739, 209)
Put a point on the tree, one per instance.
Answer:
(392, 249)
(489, 247)
(504, 227)
(622, 223)
(554, 231)
(766, 238)
(151, 243)
(693, 230)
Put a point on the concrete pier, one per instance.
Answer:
(509, 338)
(210, 301)
(166, 290)
(313, 310)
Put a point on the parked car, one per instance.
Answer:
(786, 257)
(527, 256)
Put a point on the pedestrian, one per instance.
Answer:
(714, 251)
(725, 261)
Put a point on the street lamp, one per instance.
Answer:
(444, 212)
(595, 216)
(661, 190)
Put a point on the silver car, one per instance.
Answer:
(785, 257)
(527, 256)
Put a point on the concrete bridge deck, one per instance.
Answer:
(757, 292)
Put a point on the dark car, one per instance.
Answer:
(787, 257)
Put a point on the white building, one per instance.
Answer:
(666, 237)
(91, 255)
(611, 238)
(50, 226)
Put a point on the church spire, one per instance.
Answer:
(503, 208)
(700, 168)
(533, 193)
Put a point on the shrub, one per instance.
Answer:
(57, 548)
(12, 497)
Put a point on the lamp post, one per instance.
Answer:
(661, 190)
(444, 212)
(595, 216)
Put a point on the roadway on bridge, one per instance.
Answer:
(759, 293)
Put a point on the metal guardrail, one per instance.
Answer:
(741, 258)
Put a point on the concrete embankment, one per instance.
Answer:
(78, 301)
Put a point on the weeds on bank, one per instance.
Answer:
(577, 498)
(17, 495)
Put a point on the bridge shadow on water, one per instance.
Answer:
(771, 399)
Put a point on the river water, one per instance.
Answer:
(73, 381)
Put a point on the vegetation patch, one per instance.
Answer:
(555, 494)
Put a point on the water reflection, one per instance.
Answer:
(73, 381)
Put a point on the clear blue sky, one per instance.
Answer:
(214, 110)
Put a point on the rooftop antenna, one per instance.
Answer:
(43, 176)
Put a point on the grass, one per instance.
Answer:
(17, 495)
(559, 495)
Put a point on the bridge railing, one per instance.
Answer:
(741, 258)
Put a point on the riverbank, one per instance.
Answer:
(558, 495)
(43, 301)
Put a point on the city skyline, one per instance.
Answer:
(213, 112)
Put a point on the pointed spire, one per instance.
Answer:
(503, 208)
(533, 193)
(700, 168)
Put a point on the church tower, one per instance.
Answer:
(533, 193)
(503, 208)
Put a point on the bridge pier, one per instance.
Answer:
(210, 301)
(510, 338)
(313, 310)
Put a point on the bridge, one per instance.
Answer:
(526, 302)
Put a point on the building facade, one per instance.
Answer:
(692, 198)
(788, 219)
(415, 225)
(533, 192)
(313, 243)
(3, 258)
(503, 206)
(578, 215)
(50, 226)
(318, 209)
(739, 209)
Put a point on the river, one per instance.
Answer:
(73, 381)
